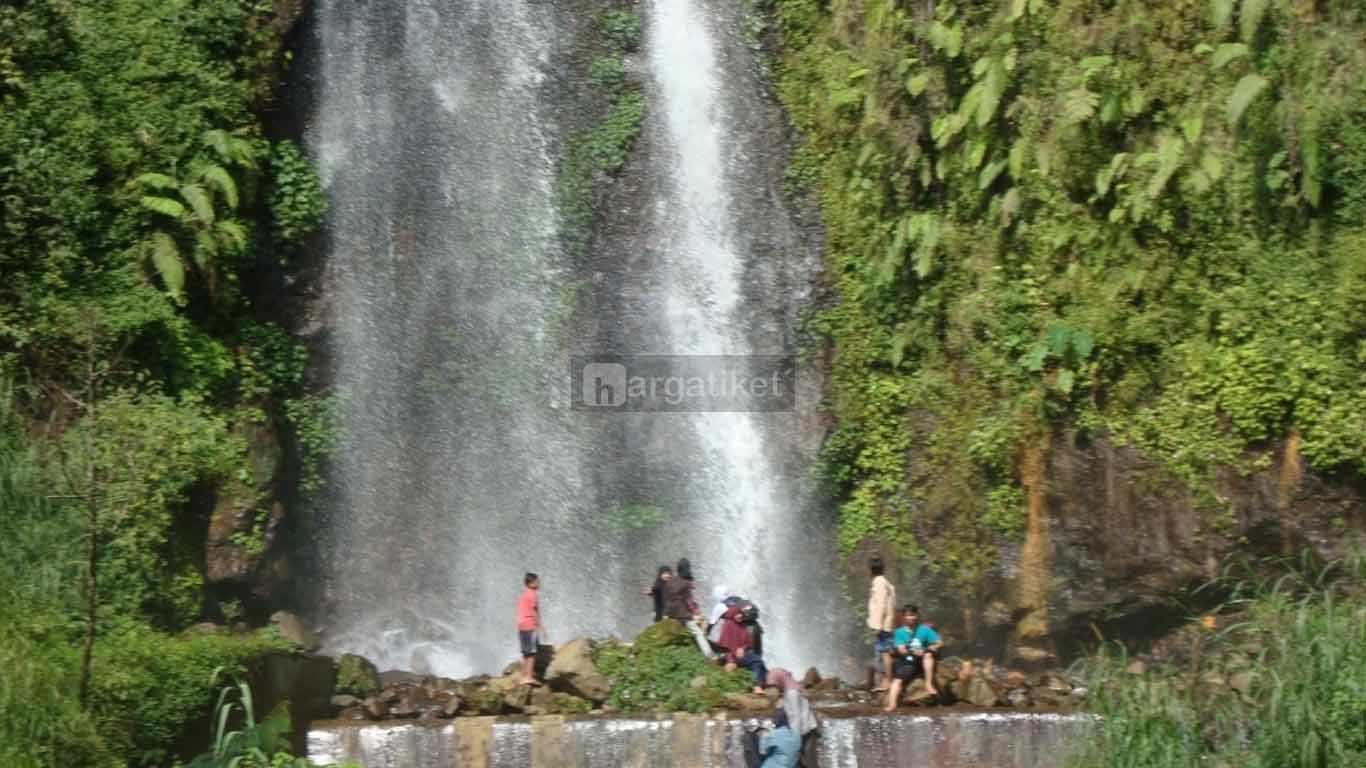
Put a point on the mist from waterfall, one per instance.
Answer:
(461, 464)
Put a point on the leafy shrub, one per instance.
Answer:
(296, 199)
(657, 672)
(148, 686)
(622, 29)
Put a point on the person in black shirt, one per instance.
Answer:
(656, 591)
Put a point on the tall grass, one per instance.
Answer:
(1300, 642)
(41, 723)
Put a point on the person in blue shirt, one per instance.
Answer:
(780, 747)
(917, 647)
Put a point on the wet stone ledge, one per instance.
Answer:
(955, 739)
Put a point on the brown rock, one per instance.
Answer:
(451, 707)
(344, 701)
(293, 629)
(977, 691)
(352, 713)
(812, 678)
(1017, 697)
(572, 671)
(375, 708)
(917, 693)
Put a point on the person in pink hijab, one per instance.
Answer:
(800, 716)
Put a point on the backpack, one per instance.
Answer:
(749, 612)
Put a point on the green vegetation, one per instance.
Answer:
(255, 744)
(658, 672)
(1135, 220)
(1284, 686)
(137, 199)
(601, 150)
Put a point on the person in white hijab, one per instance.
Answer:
(719, 594)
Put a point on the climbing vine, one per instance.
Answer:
(1113, 217)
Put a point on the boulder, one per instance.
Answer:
(375, 708)
(344, 701)
(1018, 697)
(356, 675)
(565, 704)
(917, 693)
(352, 713)
(572, 671)
(977, 691)
(812, 678)
(293, 629)
(452, 706)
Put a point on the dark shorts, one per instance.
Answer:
(883, 644)
(908, 667)
(528, 642)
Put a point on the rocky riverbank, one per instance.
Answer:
(653, 673)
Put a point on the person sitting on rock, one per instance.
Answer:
(917, 646)
(722, 601)
(742, 642)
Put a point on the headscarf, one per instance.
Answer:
(795, 703)
(718, 609)
(684, 570)
(783, 680)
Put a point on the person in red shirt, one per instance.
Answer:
(529, 626)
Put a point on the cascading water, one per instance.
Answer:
(461, 464)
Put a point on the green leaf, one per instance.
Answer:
(989, 174)
(1082, 344)
(1226, 53)
(1032, 360)
(1078, 106)
(1171, 151)
(163, 205)
(1244, 93)
(1066, 378)
(1250, 18)
(1058, 336)
(199, 201)
(917, 84)
(1221, 11)
(1018, 8)
(165, 257)
(232, 234)
(1191, 128)
(218, 177)
(155, 181)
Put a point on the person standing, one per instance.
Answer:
(656, 591)
(681, 605)
(917, 647)
(529, 626)
(882, 620)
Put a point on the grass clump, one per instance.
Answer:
(1284, 687)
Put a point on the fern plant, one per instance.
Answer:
(195, 227)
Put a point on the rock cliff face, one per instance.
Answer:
(1110, 543)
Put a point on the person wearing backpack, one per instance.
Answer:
(742, 641)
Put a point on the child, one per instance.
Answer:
(917, 647)
(529, 626)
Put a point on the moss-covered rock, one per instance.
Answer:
(661, 635)
(357, 676)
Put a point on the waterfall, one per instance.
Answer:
(438, 128)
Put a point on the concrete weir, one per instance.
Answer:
(941, 740)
